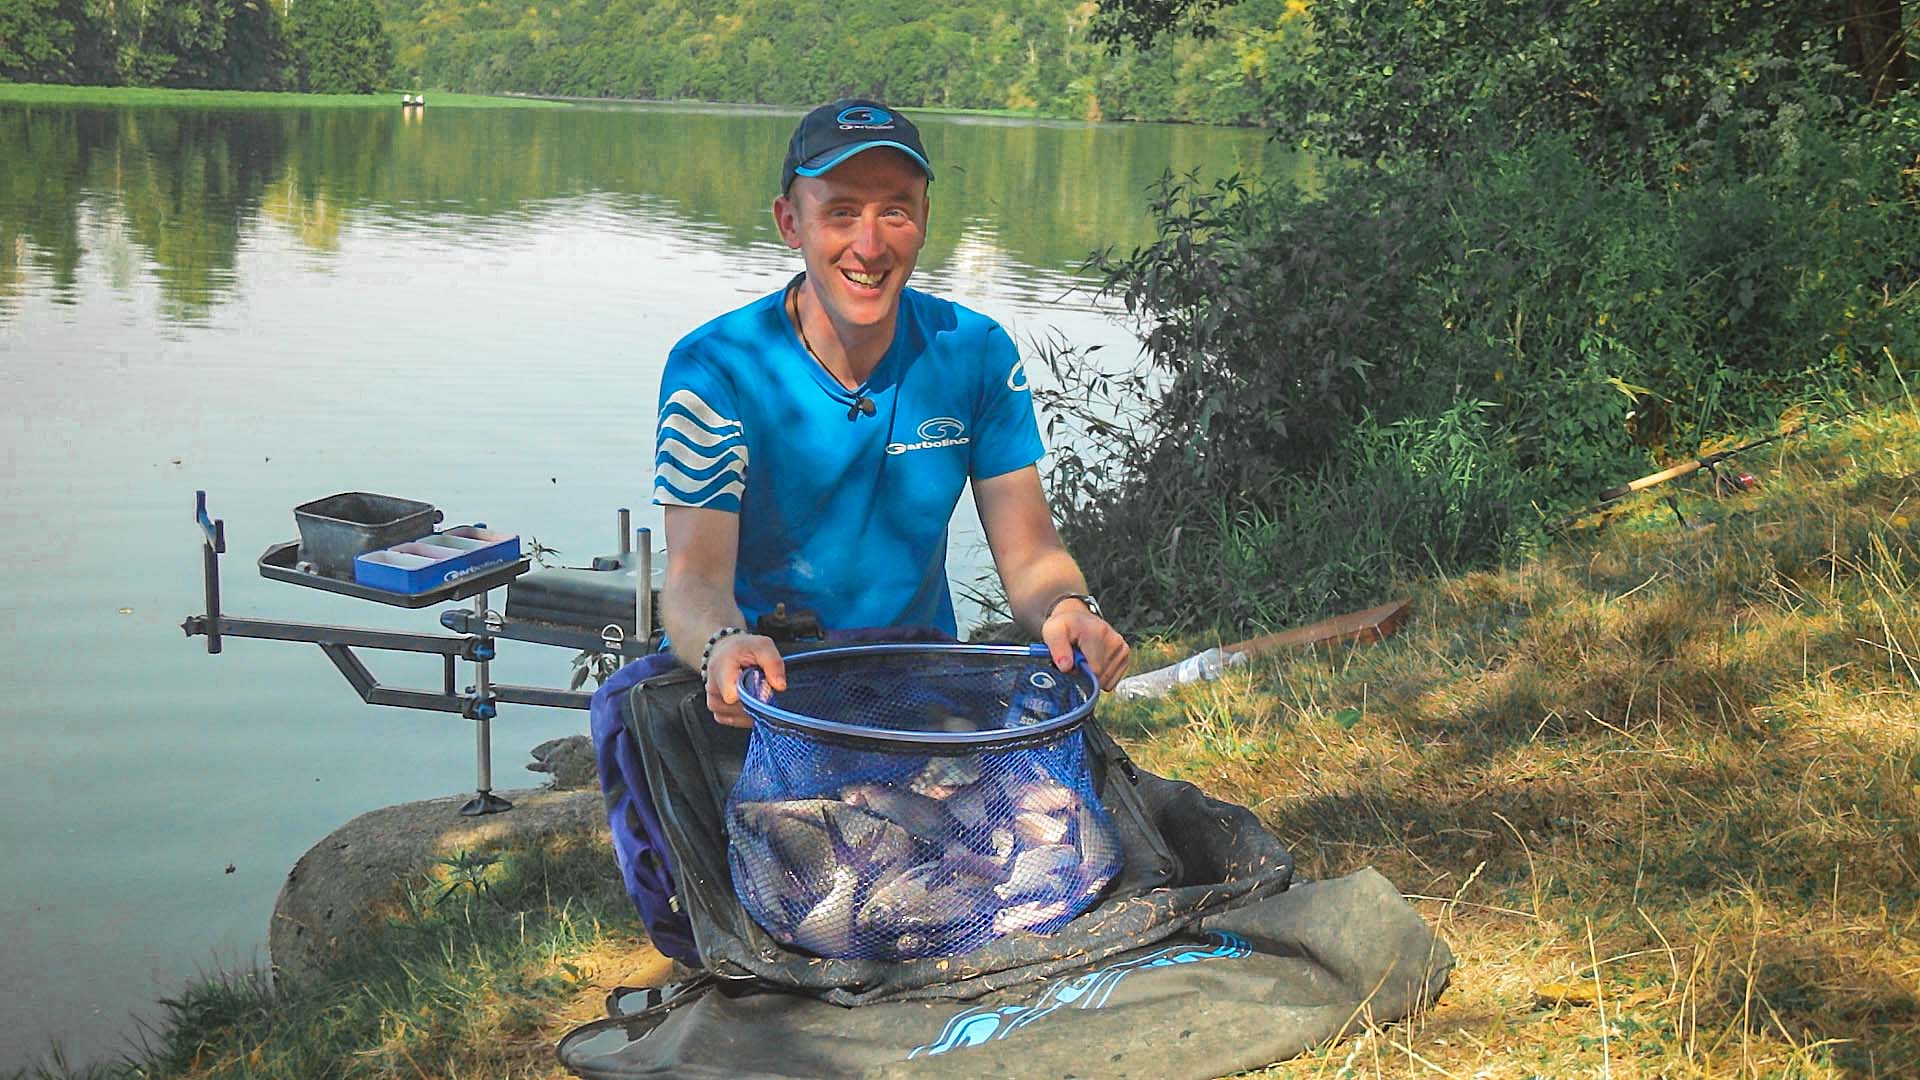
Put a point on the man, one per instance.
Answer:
(813, 444)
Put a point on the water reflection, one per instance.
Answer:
(184, 188)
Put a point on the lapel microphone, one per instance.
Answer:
(862, 405)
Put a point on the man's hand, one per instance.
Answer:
(731, 655)
(1072, 626)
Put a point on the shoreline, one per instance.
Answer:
(139, 96)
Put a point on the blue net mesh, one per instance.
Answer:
(873, 851)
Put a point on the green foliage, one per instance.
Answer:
(37, 39)
(207, 44)
(1621, 78)
(466, 871)
(170, 42)
(972, 54)
(1698, 225)
(176, 43)
(339, 46)
(976, 54)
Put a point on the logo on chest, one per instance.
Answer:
(934, 434)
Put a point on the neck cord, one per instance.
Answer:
(861, 404)
(793, 304)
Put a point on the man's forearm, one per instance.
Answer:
(691, 611)
(1036, 584)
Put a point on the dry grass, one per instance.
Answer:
(1657, 788)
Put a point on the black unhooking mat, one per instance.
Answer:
(1206, 957)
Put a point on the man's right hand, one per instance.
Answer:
(731, 655)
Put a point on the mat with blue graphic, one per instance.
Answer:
(1262, 984)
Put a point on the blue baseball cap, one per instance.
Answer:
(840, 129)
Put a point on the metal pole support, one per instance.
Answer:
(643, 590)
(213, 536)
(482, 710)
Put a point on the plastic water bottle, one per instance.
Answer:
(1200, 667)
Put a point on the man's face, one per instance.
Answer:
(860, 228)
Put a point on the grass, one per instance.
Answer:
(51, 94)
(1658, 788)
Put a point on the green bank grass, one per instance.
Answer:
(51, 94)
(1659, 789)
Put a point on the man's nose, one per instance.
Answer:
(868, 241)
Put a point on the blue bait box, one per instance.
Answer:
(435, 559)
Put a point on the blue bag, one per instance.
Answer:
(639, 841)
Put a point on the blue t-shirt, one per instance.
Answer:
(842, 511)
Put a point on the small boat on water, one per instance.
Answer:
(413, 101)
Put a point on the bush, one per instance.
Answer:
(1567, 326)
(339, 46)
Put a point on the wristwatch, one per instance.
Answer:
(1092, 604)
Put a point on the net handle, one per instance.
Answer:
(751, 686)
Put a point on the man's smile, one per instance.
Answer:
(868, 280)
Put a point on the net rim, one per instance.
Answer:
(751, 685)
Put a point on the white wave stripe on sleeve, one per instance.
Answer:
(680, 483)
(702, 411)
(671, 497)
(694, 432)
(693, 459)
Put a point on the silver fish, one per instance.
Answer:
(943, 776)
(757, 879)
(979, 870)
(1038, 828)
(827, 930)
(1000, 844)
(938, 941)
(1037, 869)
(1100, 854)
(919, 815)
(912, 944)
(796, 830)
(1044, 796)
(1027, 916)
(972, 804)
(869, 838)
(905, 902)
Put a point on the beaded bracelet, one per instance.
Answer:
(706, 654)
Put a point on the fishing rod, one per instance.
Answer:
(1709, 462)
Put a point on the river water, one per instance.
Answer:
(468, 307)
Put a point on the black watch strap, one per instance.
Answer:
(1092, 604)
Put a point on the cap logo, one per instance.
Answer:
(864, 116)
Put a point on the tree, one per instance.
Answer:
(36, 40)
(339, 46)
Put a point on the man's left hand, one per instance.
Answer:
(1072, 626)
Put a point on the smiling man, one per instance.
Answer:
(813, 444)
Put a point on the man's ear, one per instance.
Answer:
(786, 218)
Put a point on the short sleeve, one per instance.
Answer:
(700, 447)
(1006, 434)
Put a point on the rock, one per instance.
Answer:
(570, 760)
(347, 882)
